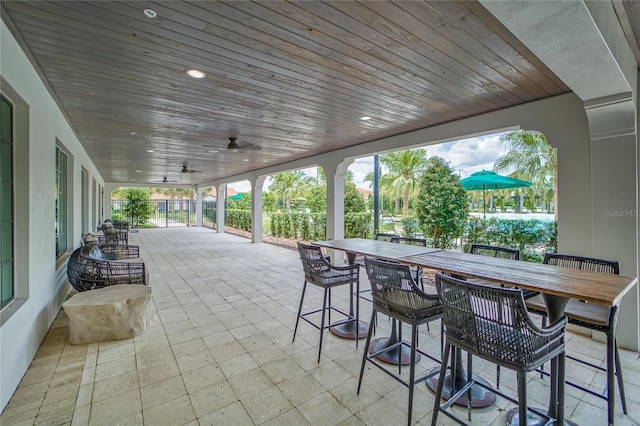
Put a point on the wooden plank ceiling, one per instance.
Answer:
(291, 78)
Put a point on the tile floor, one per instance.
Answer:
(221, 353)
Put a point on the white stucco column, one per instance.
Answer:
(335, 172)
(198, 207)
(614, 182)
(256, 209)
(109, 187)
(221, 198)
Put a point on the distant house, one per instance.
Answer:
(366, 193)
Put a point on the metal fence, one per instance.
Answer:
(163, 213)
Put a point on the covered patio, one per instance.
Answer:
(221, 352)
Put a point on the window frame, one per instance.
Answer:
(61, 214)
(8, 262)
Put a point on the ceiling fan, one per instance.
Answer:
(235, 146)
(185, 169)
(165, 180)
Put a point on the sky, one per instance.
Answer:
(465, 156)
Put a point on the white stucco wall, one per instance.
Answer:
(22, 331)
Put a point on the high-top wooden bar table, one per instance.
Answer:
(379, 249)
(557, 284)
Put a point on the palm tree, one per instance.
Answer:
(288, 185)
(531, 158)
(405, 167)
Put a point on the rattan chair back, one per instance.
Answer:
(495, 251)
(380, 236)
(396, 294)
(582, 262)
(493, 323)
(318, 271)
(421, 242)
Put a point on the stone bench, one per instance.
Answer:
(110, 313)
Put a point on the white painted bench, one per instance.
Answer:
(110, 313)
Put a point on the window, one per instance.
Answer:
(61, 202)
(7, 285)
(84, 195)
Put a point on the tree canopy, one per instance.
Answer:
(533, 159)
(442, 206)
(402, 180)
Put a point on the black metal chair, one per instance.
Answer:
(593, 317)
(421, 242)
(493, 323)
(502, 252)
(396, 294)
(319, 272)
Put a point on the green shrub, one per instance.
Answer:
(532, 237)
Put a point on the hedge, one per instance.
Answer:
(533, 237)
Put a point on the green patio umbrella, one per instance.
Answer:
(486, 179)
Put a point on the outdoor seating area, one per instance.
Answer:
(221, 352)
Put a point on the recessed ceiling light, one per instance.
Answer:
(132, 133)
(138, 171)
(133, 180)
(213, 151)
(149, 150)
(192, 72)
(150, 13)
(245, 159)
(365, 118)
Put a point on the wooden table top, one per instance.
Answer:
(594, 287)
(375, 248)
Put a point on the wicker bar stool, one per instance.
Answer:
(493, 323)
(505, 253)
(396, 294)
(319, 272)
(593, 317)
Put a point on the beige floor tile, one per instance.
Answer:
(194, 361)
(237, 365)
(202, 377)
(115, 353)
(224, 351)
(151, 344)
(330, 375)
(267, 355)
(290, 418)
(188, 347)
(161, 392)
(114, 368)
(282, 370)
(300, 389)
(183, 336)
(250, 382)
(383, 412)
(116, 385)
(266, 405)
(324, 409)
(157, 372)
(81, 416)
(60, 410)
(347, 394)
(21, 417)
(174, 412)
(233, 414)
(146, 359)
(212, 398)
